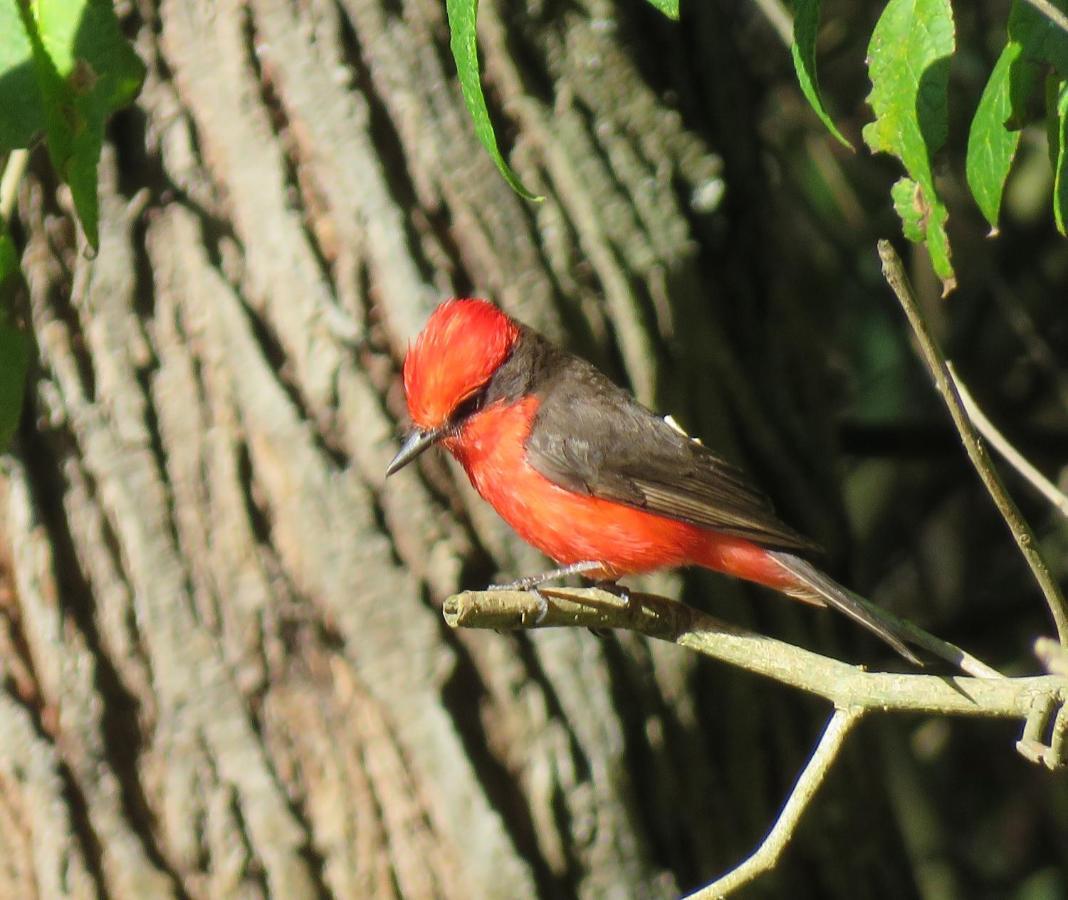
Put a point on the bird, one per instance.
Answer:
(589, 476)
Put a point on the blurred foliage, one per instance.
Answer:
(65, 67)
(908, 58)
(982, 822)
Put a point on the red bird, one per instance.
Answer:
(587, 474)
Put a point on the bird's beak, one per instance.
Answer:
(418, 441)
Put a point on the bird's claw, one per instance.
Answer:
(530, 586)
(520, 584)
(540, 613)
(621, 591)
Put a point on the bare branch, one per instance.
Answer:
(1053, 656)
(1052, 13)
(767, 854)
(894, 273)
(844, 685)
(779, 19)
(9, 181)
(1010, 454)
(853, 690)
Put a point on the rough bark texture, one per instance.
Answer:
(226, 673)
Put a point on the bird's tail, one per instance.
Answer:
(814, 586)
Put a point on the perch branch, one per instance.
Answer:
(1008, 452)
(894, 273)
(808, 783)
(844, 685)
(851, 689)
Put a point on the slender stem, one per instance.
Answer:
(852, 690)
(842, 684)
(808, 783)
(9, 182)
(1051, 12)
(951, 653)
(1025, 539)
(779, 18)
(1053, 656)
(1010, 454)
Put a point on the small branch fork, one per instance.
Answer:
(844, 685)
(1040, 701)
(766, 856)
(1009, 453)
(894, 273)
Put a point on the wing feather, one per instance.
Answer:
(591, 436)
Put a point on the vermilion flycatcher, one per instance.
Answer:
(587, 474)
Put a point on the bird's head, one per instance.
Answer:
(448, 365)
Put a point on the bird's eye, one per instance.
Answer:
(468, 407)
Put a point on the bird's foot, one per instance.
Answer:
(621, 591)
(533, 581)
(540, 613)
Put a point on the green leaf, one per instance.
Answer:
(908, 204)
(1059, 153)
(462, 15)
(1040, 44)
(85, 71)
(908, 64)
(992, 141)
(669, 8)
(1042, 39)
(20, 99)
(14, 344)
(803, 51)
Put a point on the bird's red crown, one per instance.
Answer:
(456, 353)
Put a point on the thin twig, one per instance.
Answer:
(9, 182)
(1010, 454)
(1052, 13)
(1053, 656)
(808, 783)
(852, 690)
(779, 18)
(842, 684)
(951, 653)
(1025, 539)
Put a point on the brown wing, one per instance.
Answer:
(592, 436)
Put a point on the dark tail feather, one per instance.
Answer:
(817, 586)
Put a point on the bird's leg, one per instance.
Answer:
(621, 591)
(531, 582)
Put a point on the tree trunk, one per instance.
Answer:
(226, 672)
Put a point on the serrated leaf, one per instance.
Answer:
(908, 204)
(803, 51)
(463, 42)
(20, 99)
(14, 344)
(1059, 152)
(992, 142)
(85, 71)
(669, 8)
(919, 220)
(908, 64)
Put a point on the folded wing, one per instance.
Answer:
(591, 436)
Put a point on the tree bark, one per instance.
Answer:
(226, 672)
